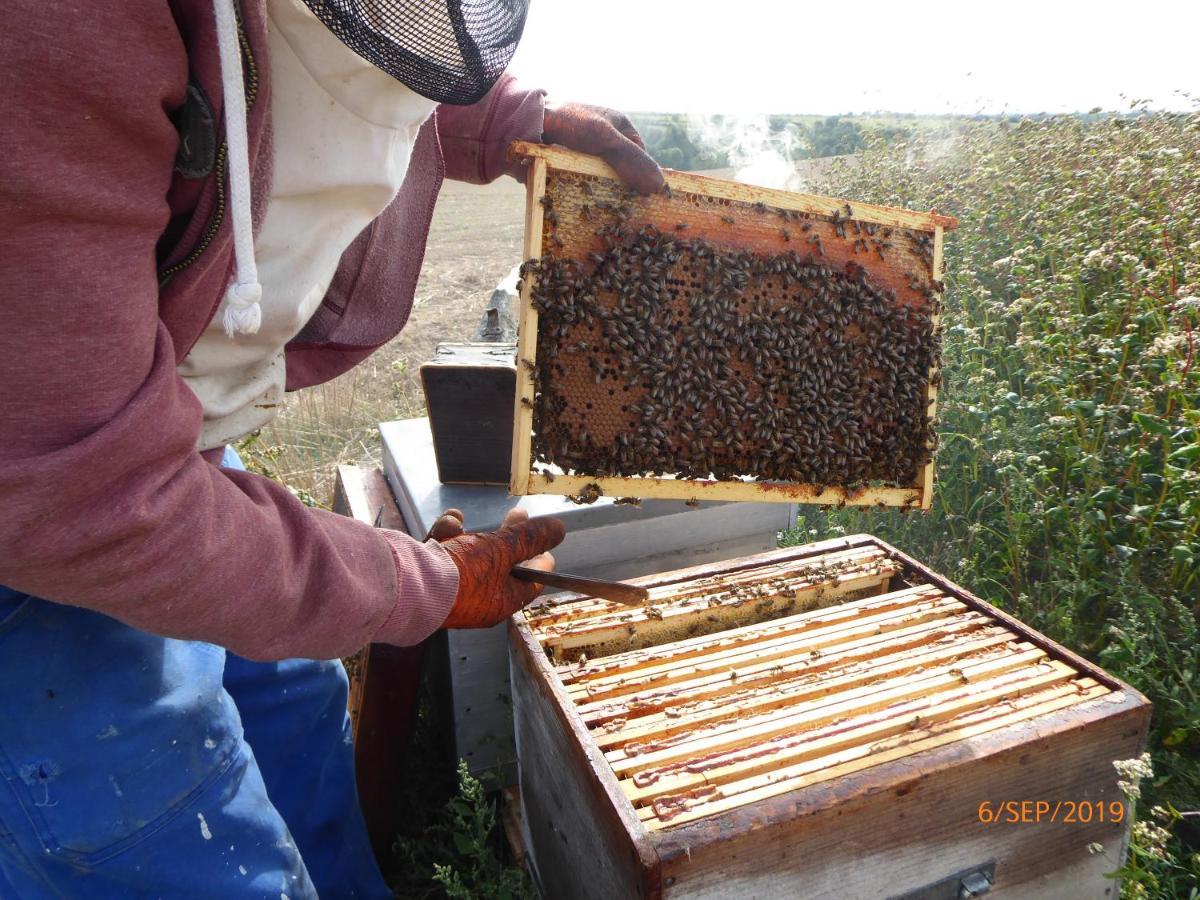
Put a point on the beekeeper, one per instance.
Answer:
(204, 206)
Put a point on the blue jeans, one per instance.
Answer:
(140, 766)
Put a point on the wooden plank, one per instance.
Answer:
(651, 785)
(562, 158)
(852, 657)
(1055, 650)
(362, 494)
(856, 759)
(632, 660)
(522, 444)
(789, 689)
(799, 553)
(649, 488)
(726, 736)
(601, 854)
(512, 821)
(542, 620)
(350, 499)
(928, 472)
(638, 628)
(816, 643)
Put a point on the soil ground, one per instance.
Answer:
(474, 241)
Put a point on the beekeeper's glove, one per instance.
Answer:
(487, 594)
(608, 134)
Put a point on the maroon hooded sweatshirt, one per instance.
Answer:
(115, 252)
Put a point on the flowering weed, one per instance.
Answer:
(1068, 470)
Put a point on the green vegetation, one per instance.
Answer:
(1069, 464)
(450, 844)
(688, 143)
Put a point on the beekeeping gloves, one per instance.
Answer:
(608, 134)
(487, 594)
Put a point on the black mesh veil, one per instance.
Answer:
(451, 51)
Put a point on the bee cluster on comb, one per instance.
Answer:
(699, 339)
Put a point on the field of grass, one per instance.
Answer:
(1069, 461)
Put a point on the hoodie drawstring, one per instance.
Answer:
(243, 312)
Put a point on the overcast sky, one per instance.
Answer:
(849, 56)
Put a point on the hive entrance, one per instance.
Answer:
(694, 343)
(736, 687)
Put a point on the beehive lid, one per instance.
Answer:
(723, 342)
(789, 670)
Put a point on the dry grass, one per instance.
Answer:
(474, 240)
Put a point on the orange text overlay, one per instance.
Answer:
(1066, 812)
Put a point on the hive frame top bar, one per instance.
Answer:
(572, 161)
(525, 480)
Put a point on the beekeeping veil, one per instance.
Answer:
(451, 51)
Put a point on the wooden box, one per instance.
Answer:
(468, 392)
(826, 721)
(723, 342)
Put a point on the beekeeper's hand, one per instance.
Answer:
(487, 594)
(608, 134)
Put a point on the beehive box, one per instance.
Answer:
(826, 721)
(723, 342)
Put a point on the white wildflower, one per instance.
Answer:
(1151, 838)
(1131, 772)
(1167, 345)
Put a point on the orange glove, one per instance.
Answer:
(487, 594)
(608, 134)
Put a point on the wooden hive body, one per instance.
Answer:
(723, 342)
(820, 721)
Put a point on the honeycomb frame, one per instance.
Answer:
(900, 251)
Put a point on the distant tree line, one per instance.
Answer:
(674, 140)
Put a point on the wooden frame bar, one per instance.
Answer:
(571, 161)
